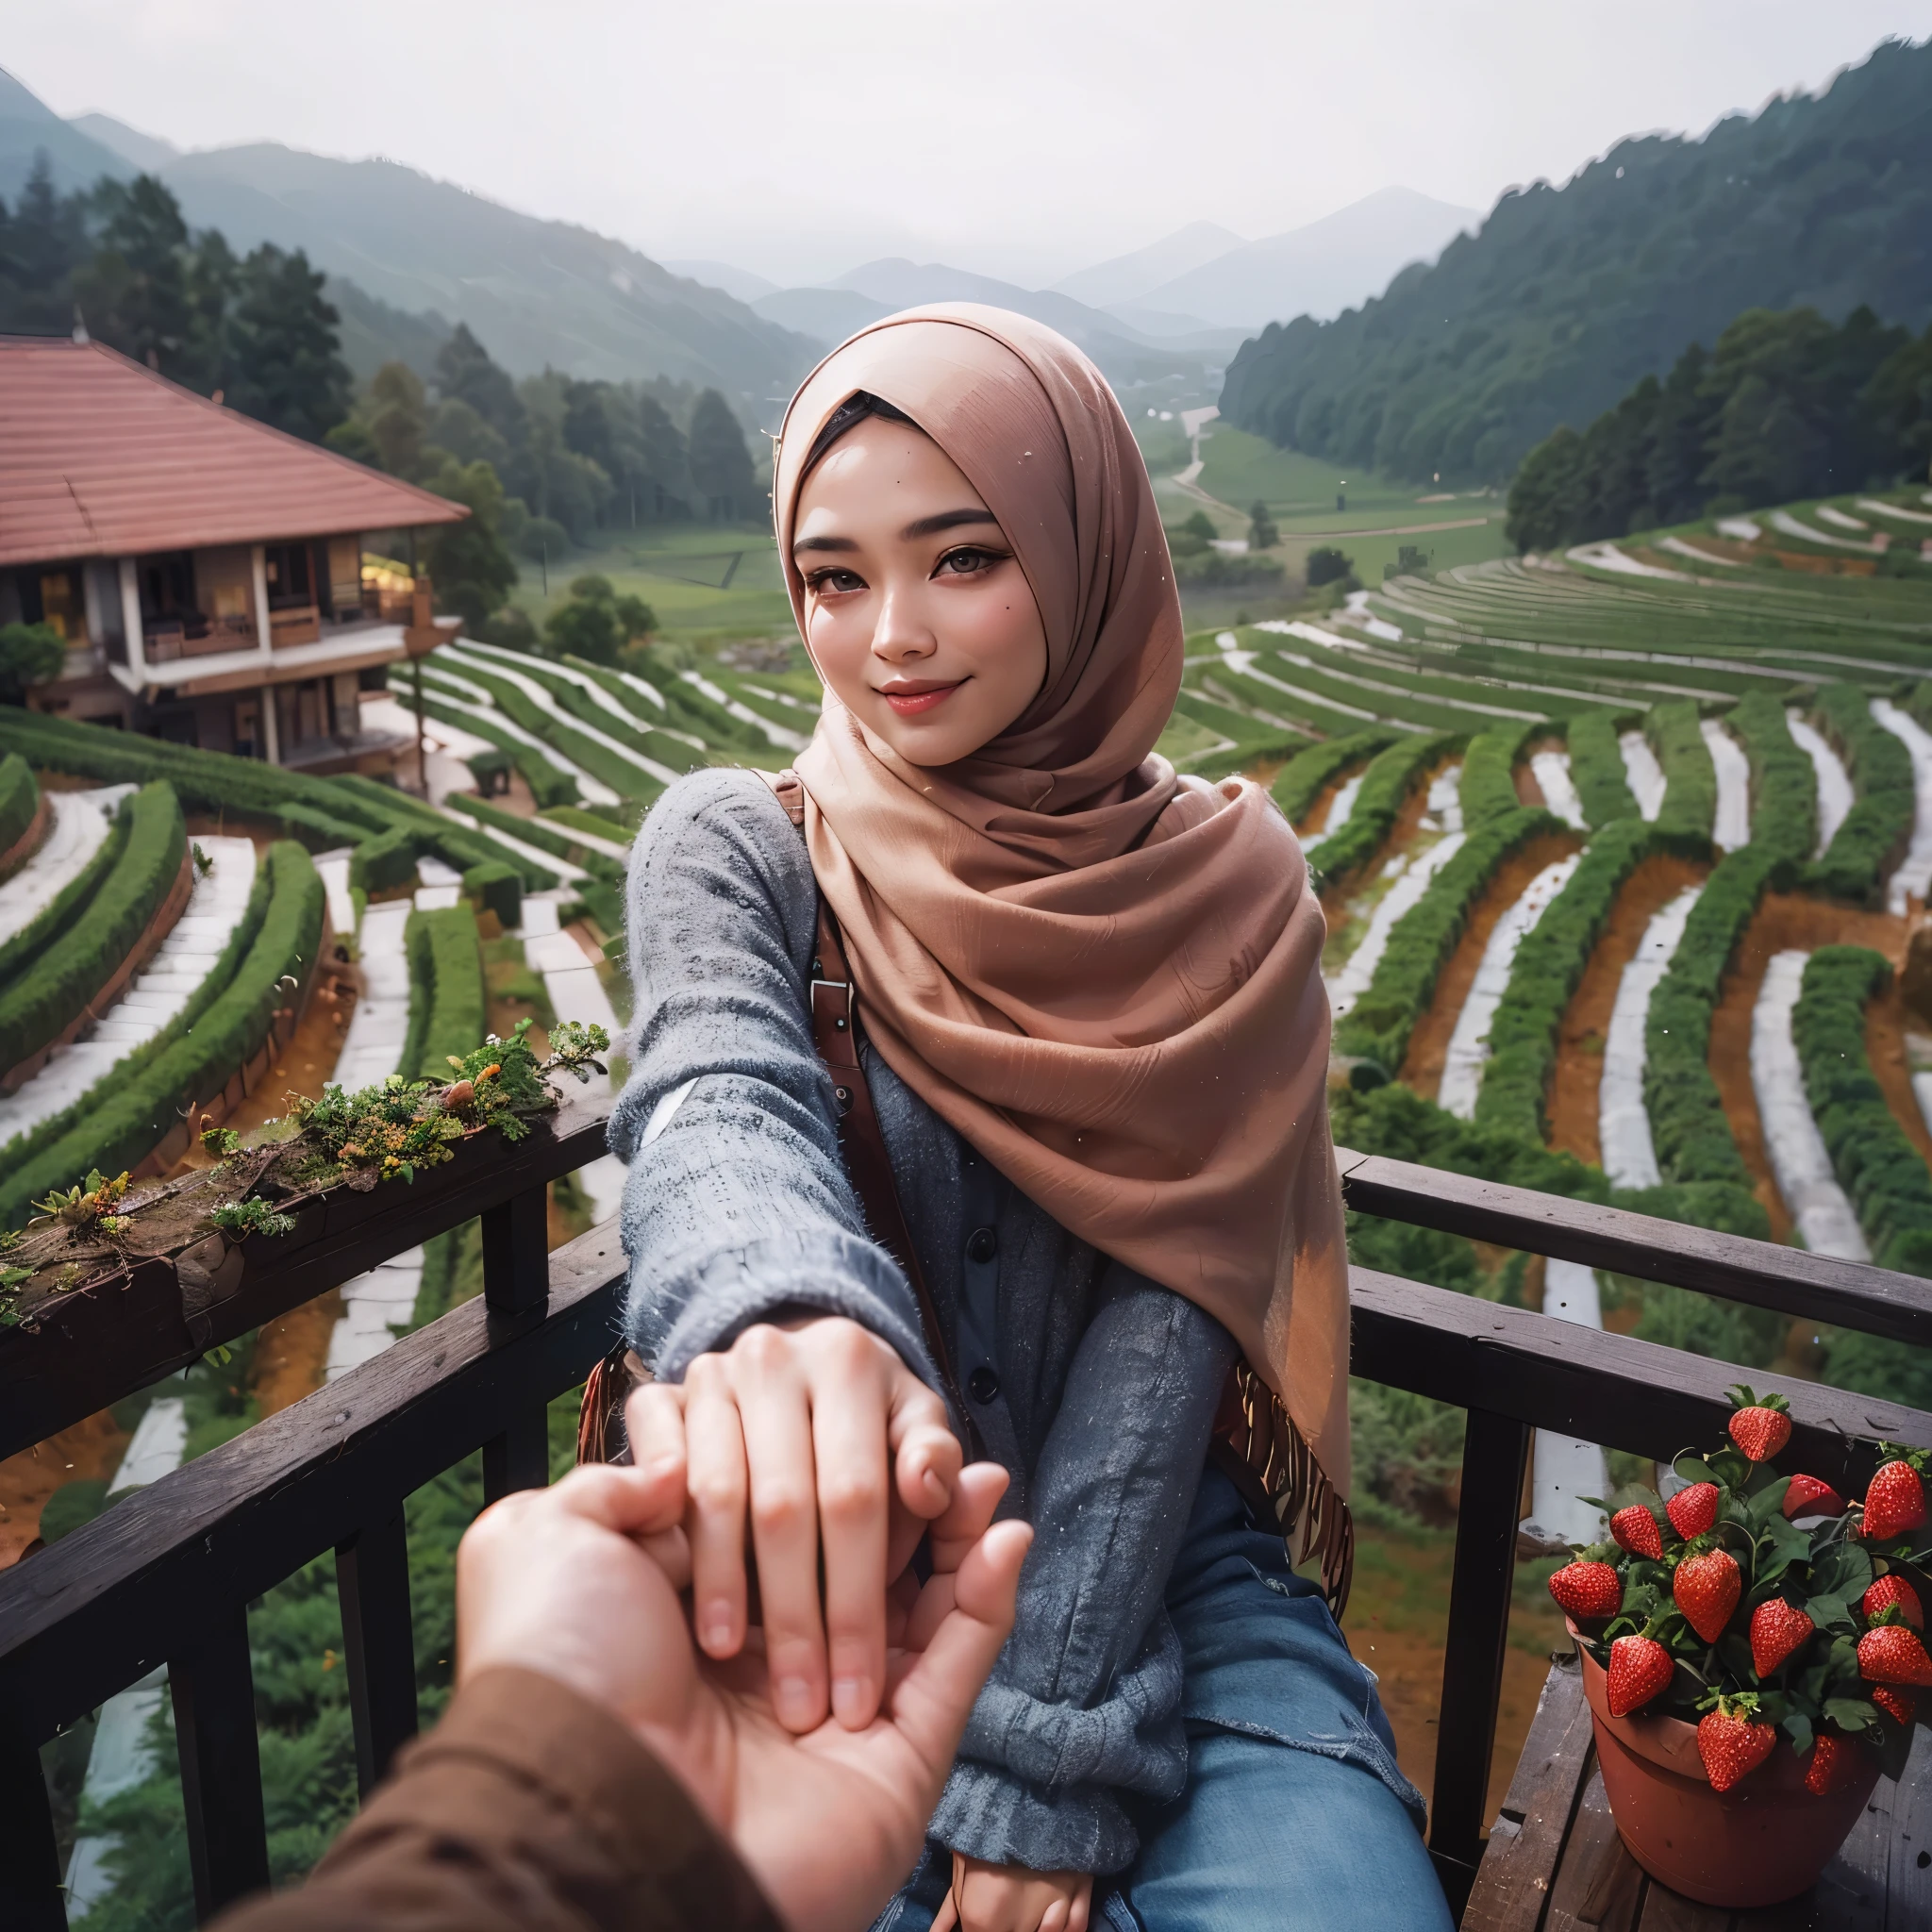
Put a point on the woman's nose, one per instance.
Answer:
(902, 635)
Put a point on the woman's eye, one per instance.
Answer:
(967, 561)
(834, 580)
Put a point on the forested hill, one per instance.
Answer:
(1568, 295)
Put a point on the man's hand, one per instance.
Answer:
(1006, 1898)
(828, 1441)
(580, 1582)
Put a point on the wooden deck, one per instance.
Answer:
(1553, 1861)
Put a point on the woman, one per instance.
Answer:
(1096, 1039)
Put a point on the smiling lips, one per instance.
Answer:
(919, 695)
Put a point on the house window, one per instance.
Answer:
(62, 605)
(167, 585)
(288, 576)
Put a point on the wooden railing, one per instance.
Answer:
(166, 1576)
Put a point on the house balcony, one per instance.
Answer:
(166, 641)
(166, 1576)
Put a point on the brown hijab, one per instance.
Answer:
(1104, 976)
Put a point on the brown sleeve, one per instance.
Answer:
(526, 1809)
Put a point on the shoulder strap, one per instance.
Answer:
(835, 1033)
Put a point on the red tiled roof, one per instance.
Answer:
(102, 457)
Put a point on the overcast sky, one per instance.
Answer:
(1020, 138)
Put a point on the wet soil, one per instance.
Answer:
(1573, 1092)
(1338, 904)
(1782, 921)
(1528, 791)
(91, 1448)
(291, 1352)
(1428, 1045)
(1317, 818)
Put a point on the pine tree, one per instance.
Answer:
(464, 372)
(288, 370)
(719, 463)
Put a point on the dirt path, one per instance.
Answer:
(88, 1448)
(292, 1352)
(1528, 791)
(1790, 921)
(1573, 1092)
(1428, 1045)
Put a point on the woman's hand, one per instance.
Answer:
(580, 1582)
(830, 1443)
(1009, 1898)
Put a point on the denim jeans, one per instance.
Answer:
(1295, 1816)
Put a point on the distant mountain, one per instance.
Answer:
(1124, 281)
(139, 150)
(1123, 354)
(1319, 270)
(738, 283)
(372, 333)
(539, 295)
(826, 315)
(1567, 296)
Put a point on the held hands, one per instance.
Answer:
(819, 1435)
(1005, 1898)
(580, 1582)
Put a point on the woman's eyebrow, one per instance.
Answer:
(946, 520)
(823, 543)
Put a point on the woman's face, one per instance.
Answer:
(916, 612)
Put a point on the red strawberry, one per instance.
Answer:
(1893, 1589)
(1836, 1763)
(1692, 1510)
(1809, 1496)
(1640, 1667)
(1893, 1655)
(1707, 1589)
(1760, 1432)
(1778, 1629)
(1894, 1503)
(1900, 1705)
(1588, 1589)
(1635, 1529)
(1732, 1746)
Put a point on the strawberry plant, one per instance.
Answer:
(1760, 1606)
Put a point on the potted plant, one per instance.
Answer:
(1752, 1655)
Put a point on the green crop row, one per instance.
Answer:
(1876, 1162)
(1393, 774)
(19, 799)
(448, 1002)
(636, 728)
(546, 838)
(1377, 1027)
(143, 1111)
(52, 920)
(549, 784)
(1543, 979)
(1596, 768)
(1784, 785)
(1488, 772)
(1309, 773)
(1690, 778)
(521, 708)
(1859, 860)
(53, 992)
(45, 1132)
(1687, 1126)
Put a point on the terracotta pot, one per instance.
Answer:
(1765, 1840)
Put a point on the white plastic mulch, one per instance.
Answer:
(1401, 898)
(1825, 1217)
(1442, 808)
(156, 995)
(570, 977)
(1339, 811)
(1469, 1045)
(1742, 529)
(1551, 771)
(1837, 519)
(122, 1754)
(1914, 874)
(80, 822)
(778, 734)
(1566, 1470)
(447, 747)
(333, 867)
(1645, 774)
(1608, 556)
(1783, 519)
(1629, 1156)
(562, 868)
(1834, 781)
(1733, 824)
(1893, 509)
(1358, 612)
(1677, 547)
